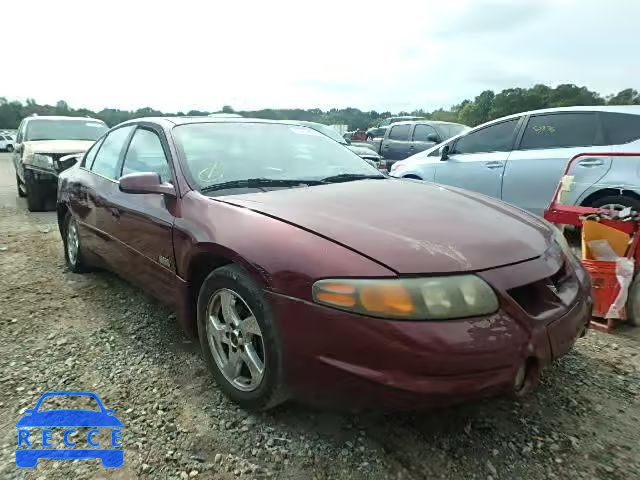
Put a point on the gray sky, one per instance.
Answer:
(390, 55)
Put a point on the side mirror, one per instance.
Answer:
(145, 182)
(348, 141)
(444, 153)
(432, 137)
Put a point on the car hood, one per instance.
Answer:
(363, 151)
(57, 146)
(69, 418)
(410, 227)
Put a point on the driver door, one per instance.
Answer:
(142, 224)
(477, 160)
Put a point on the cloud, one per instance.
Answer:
(490, 17)
(178, 56)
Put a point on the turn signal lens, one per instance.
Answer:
(337, 294)
(431, 298)
(391, 298)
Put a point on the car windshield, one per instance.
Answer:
(85, 129)
(217, 153)
(332, 133)
(69, 402)
(456, 128)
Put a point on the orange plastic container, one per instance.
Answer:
(605, 286)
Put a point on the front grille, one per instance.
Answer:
(59, 165)
(548, 297)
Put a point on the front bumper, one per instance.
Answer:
(341, 359)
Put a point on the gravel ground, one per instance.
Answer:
(62, 331)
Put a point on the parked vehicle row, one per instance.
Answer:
(520, 158)
(277, 247)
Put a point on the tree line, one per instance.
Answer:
(486, 106)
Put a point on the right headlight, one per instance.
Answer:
(41, 161)
(429, 298)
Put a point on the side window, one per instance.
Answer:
(91, 153)
(621, 127)
(145, 154)
(106, 160)
(560, 130)
(20, 130)
(422, 132)
(399, 132)
(496, 138)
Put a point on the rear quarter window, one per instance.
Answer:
(621, 127)
(561, 130)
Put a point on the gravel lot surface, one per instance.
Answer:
(62, 331)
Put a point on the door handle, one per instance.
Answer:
(115, 213)
(494, 165)
(591, 162)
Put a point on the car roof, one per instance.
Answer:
(173, 121)
(427, 122)
(60, 117)
(631, 109)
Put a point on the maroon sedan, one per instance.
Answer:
(306, 273)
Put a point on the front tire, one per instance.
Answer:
(72, 246)
(617, 202)
(36, 198)
(9, 148)
(20, 187)
(239, 339)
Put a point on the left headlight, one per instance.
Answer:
(432, 298)
(42, 161)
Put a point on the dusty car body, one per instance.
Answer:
(41, 144)
(312, 288)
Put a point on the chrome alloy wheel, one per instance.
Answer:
(235, 340)
(73, 242)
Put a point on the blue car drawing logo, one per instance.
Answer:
(68, 418)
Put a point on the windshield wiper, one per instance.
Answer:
(348, 177)
(260, 182)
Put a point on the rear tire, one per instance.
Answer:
(35, 195)
(617, 200)
(72, 245)
(221, 342)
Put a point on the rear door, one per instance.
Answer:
(547, 143)
(423, 137)
(141, 224)
(396, 143)
(101, 188)
(477, 160)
